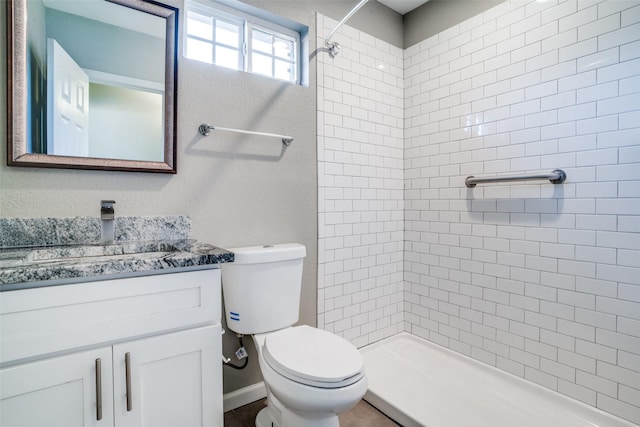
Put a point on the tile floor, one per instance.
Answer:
(362, 414)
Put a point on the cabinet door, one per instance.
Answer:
(66, 391)
(174, 380)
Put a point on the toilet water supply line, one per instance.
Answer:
(334, 47)
(241, 353)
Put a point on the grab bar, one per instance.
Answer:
(204, 130)
(557, 176)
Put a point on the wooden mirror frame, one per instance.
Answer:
(17, 154)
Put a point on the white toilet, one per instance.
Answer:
(311, 375)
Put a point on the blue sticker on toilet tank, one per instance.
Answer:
(234, 316)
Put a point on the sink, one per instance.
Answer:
(60, 253)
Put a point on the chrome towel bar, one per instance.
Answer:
(204, 129)
(557, 176)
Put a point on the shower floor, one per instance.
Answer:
(418, 383)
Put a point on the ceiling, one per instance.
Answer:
(113, 14)
(402, 6)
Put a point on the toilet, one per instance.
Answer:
(310, 375)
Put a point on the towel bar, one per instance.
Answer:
(204, 130)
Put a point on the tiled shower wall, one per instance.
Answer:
(540, 280)
(360, 179)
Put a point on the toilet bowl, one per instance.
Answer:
(311, 375)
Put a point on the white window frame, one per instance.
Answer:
(289, 35)
(215, 16)
(248, 23)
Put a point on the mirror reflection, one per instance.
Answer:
(98, 84)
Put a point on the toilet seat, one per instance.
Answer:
(313, 357)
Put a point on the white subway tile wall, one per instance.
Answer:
(537, 279)
(540, 280)
(360, 186)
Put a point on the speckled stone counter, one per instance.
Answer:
(49, 251)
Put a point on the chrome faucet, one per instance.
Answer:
(107, 215)
(107, 212)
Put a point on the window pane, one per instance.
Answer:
(283, 48)
(227, 33)
(262, 64)
(283, 70)
(199, 50)
(226, 57)
(222, 38)
(262, 41)
(199, 25)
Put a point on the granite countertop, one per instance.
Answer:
(163, 246)
(37, 264)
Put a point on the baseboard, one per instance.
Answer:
(244, 396)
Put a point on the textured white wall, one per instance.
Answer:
(360, 179)
(540, 280)
(238, 190)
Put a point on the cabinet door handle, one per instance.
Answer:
(127, 364)
(98, 389)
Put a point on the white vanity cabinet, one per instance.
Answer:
(141, 351)
(59, 391)
(172, 380)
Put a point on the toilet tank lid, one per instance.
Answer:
(268, 253)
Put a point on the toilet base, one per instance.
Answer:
(264, 420)
(274, 415)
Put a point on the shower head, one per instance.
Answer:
(334, 48)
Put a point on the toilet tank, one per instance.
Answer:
(261, 287)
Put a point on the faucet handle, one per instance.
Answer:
(107, 212)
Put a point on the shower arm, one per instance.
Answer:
(334, 47)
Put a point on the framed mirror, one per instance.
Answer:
(92, 84)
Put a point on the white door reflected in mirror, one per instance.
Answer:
(68, 116)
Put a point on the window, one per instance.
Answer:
(236, 40)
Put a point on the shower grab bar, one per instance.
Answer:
(204, 130)
(557, 176)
